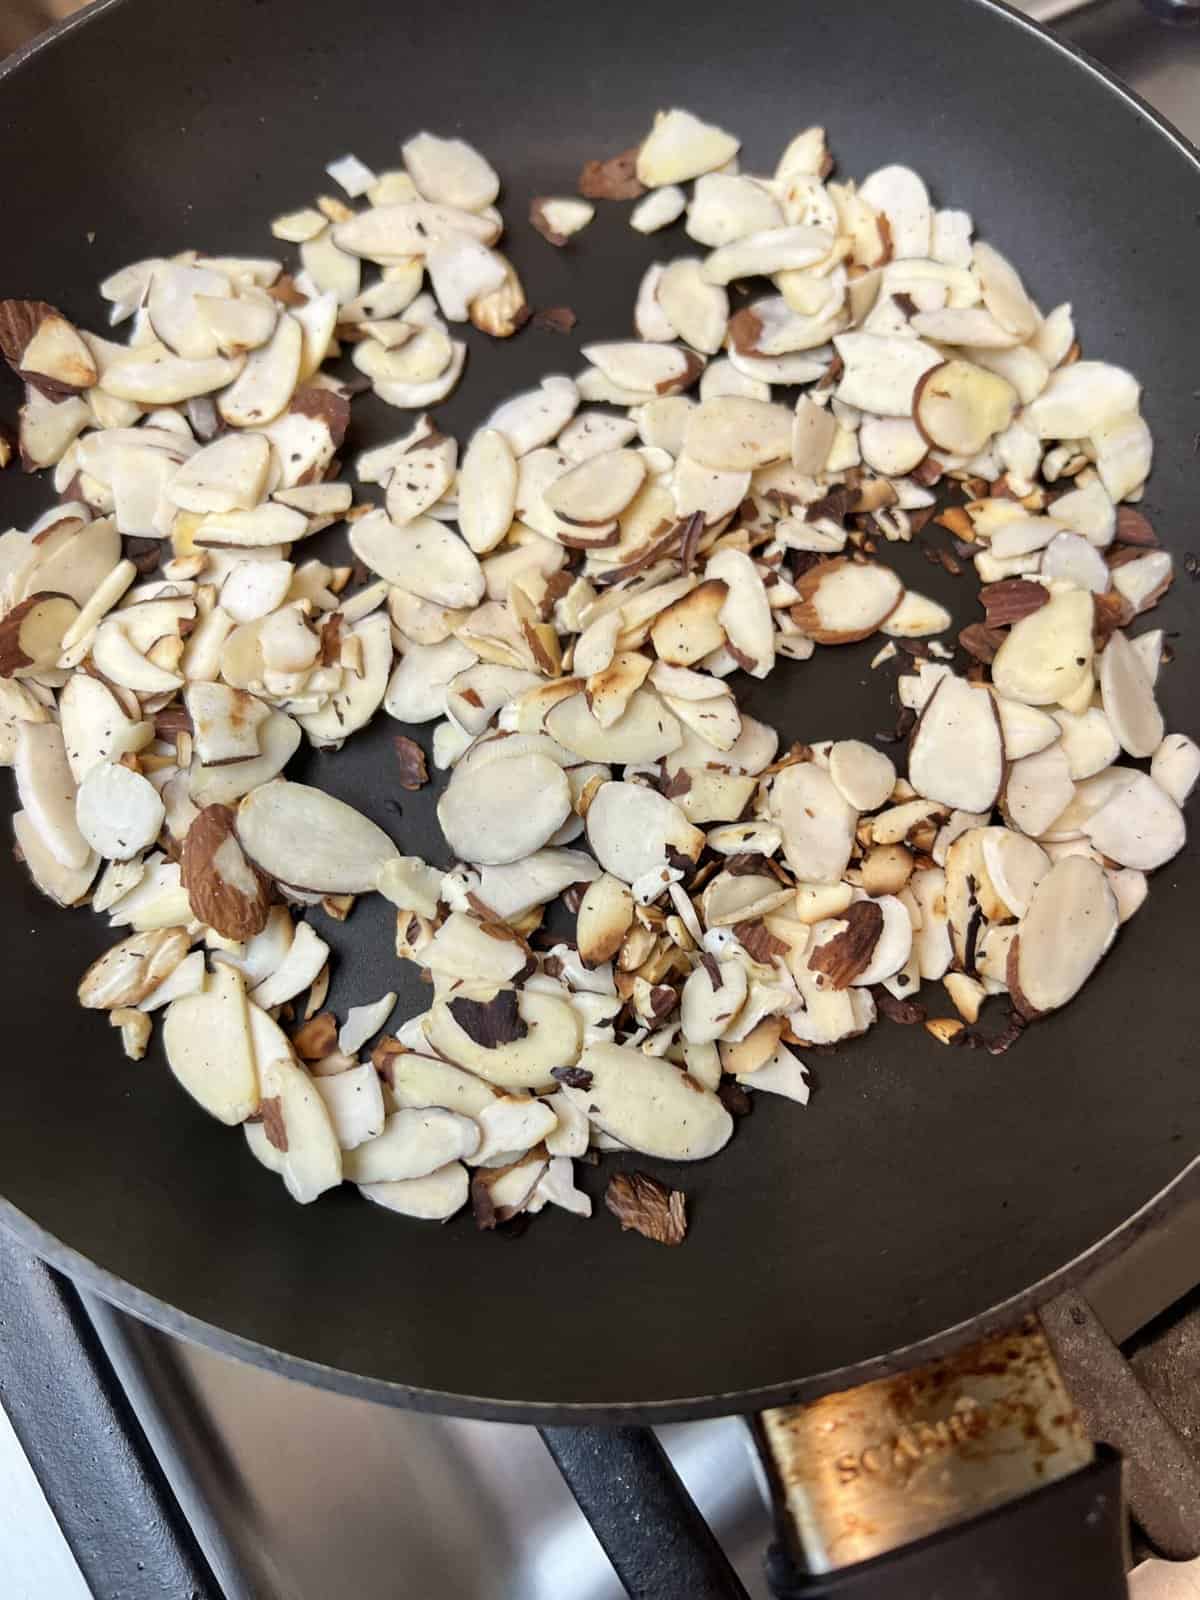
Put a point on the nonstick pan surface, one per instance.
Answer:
(924, 1191)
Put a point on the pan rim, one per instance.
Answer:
(88, 1275)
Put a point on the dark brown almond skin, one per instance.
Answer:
(759, 942)
(640, 1202)
(1021, 1005)
(316, 1038)
(411, 758)
(227, 910)
(1010, 600)
(614, 179)
(13, 657)
(537, 219)
(848, 953)
(489, 1022)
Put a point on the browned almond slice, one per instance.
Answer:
(44, 348)
(733, 434)
(603, 919)
(690, 629)
(842, 601)
(1128, 697)
(957, 752)
(597, 490)
(225, 890)
(959, 406)
(1071, 923)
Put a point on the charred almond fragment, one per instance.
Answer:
(818, 824)
(651, 1106)
(640, 1202)
(31, 634)
(1071, 923)
(410, 758)
(733, 434)
(1048, 654)
(690, 629)
(959, 406)
(1128, 697)
(512, 1048)
(525, 800)
(603, 919)
(634, 830)
(842, 601)
(957, 752)
(302, 836)
(207, 1040)
(224, 890)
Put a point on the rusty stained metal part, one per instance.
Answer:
(873, 1468)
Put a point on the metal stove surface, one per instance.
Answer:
(297, 1493)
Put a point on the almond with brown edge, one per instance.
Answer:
(956, 755)
(42, 347)
(845, 956)
(224, 889)
(842, 601)
(690, 629)
(603, 919)
(31, 634)
(1071, 923)
(959, 406)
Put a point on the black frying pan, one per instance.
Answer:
(925, 1192)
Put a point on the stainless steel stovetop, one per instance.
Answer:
(297, 1493)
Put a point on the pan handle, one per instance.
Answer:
(972, 1475)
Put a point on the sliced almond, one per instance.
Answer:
(487, 490)
(603, 919)
(1128, 698)
(207, 1040)
(817, 823)
(224, 890)
(118, 812)
(1176, 766)
(864, 776)
(644, 732)
(303, 836)
(594, 492)
(526, 799)
(1139, 825)
(697, 310)
(957, 751)
(645, 368)
(880, 374)
(532, 419)
(424, 558)
(1049, 653)
(1082, 397)
(732, 434)
(634, 830)
(512, 1040)
(681, 146)
(650, 1106)
(842, 601)
(450, 172)
(770, 251)
(1038, 789)
(690, 629)
(1071, 923)
(32, 633)
(959, 406)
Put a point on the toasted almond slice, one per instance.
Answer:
(697, 310)
(649, 1105)
(817, 823)
(303, 836)
(603, 919)
(526, 799)
(864, 776)
(681, 146)
(632, 830)
(207, 1040)
(451, 172)
(513, 1040)
(1038, 789)
(424, 558)
(644, 732)
(597, 490)
(1139, 825)
(957, 752)
(690, 629)
(278, 738)
(900, 194)
(1071, 923)
(433, 1198)
(1176, 766)
(842, 600)
(533, 418)
(659, 209)
(716, 719)
(731, 434)
(1081, 398)
(1015, 864)
(881, 374)
(959, 406)
(229, 474)
(1128, 698)
(608, 692)
(1048, 653)
(44, 348)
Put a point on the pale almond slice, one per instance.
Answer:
(731, 434)
(414, 1143)
(421, 478)
(394, 233)
(916, 617)
(1124, 452)
(1176, 766)
(1020, 536)
(512, 1040)
(1143, 581)
(558, 219)
(206, 1037)
(1081, 398)
(267, 380)
(697, 310)
(416, 691)
(32, 634)
(641, 367)
(47, 792)
(650, 1106)
(1071, 923)
(645, 731)
(525, 800)
(513, 889)
(591, 433)
(1037, 790)
(900, 194)
(414, 395)
(424, 558)
(680, 146)
(487, 490)
(332, 271)
(225, 722)
(450, 171)
(594, 492)
(512, 1123)
(864, 776)
(726, 208)
(632, 830)
(817, 823)
(1028, 374)
(279, 737)
(745, 614)
(959, 406)
(842, 601)
(256, 588)
(475, 695)
(964, 325)
(420, 360)
(1139, 825)
(650, 321)
(881, 374)
(1054, 336)
(354, 1103)
(66, 886)
(658, 209)
(1073, 559)
(806, 366)
(302, 836)
(118, 812)
(1088, 741)
(716, 719)
(1003, 292)
(299, 967)
(533, 418)
(1127, 695)
(712, 998)
(47, 428)
(813, 431)
(705, 489)
(294, 227)
(1015, 864)
(433, 1198)
(957, 752)
(932, 941)
(153, 375)
(892, 446)
(598, 389)
(892, 948)
(461, 272)
(229, 474)
(1047, 654)
(769, 251)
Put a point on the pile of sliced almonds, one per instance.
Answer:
(566, 600)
